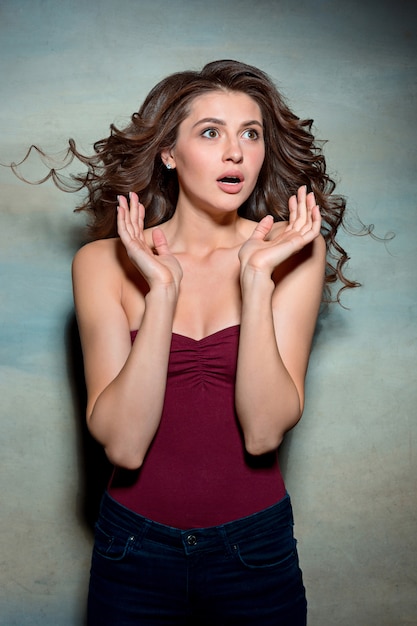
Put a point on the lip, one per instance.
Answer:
(231, 187)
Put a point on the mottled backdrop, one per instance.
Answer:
(72, 67)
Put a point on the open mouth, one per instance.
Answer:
(230, 180)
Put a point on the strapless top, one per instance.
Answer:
(196, 472)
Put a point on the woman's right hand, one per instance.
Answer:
(158, 265)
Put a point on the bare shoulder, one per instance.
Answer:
(95, 253)
(98, 274)
(104, 258)
(107, 286)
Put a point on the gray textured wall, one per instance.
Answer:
(71, 68)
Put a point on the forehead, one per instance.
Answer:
(224, 105)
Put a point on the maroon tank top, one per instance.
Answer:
(196, 472)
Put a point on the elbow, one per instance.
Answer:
(256, 446)
(119, 452)
(125, 459)
(259, 442)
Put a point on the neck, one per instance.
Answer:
(199, 233)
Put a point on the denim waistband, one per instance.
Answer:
(275, 516)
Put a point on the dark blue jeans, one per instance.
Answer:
(244, 573)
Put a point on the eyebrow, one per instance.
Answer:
(215, 120)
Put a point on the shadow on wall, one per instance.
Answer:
(94, 468)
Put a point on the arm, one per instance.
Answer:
(278, 320)
(125, 384)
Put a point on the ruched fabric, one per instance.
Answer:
(196, 472)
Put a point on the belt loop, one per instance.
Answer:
(143, 532)
(230, 549)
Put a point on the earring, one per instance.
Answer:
(168, 166)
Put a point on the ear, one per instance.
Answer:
(168, 159)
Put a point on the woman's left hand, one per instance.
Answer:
(262, 254)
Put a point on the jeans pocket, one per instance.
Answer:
(112, 544)
(273, 549)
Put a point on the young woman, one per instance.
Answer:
(196, 304)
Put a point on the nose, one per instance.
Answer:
(233, 151)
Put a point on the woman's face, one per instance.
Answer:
(219, 152)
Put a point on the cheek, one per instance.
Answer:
(190, 161)
(258, 161)
(192, 170)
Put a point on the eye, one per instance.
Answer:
(250, 133)
(210, 133)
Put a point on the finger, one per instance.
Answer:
(124, 228)
(311, 213)
(302, 194)
(122, 215)
(293, 210)
(137, 214)
(301, 207)
(312, 229)
(301, 210)
(159, 241)
(297, 206)
(124, 205)
(141, 216)
(127, 217)
(316, 218)
(311, 201)
(263, 228)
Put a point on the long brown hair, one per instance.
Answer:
(129, 159)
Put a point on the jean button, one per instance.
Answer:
(191, 540)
